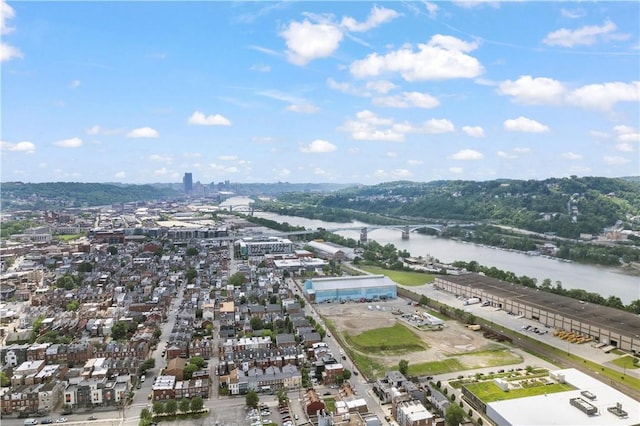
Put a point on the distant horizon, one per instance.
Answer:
(319, 91)
(231, 182)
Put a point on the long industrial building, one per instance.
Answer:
(598, 323)
(345, 289)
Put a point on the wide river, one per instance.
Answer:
(597, 279)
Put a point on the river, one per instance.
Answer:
(603, 280)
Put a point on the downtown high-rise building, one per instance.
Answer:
(187, 182)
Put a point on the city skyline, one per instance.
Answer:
(309, 92)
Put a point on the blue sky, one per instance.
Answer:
(350, 92)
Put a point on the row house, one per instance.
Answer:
(26, 372)
(202, 347)
(23, 398)
(14, 354)
(122, 350)
(163, 388)
(246, 343)
(412, 413)
(191, 388)
(236, 382)
(278, 357)
(37, 351)
(273, 378)
(49, 394)
(102, 392)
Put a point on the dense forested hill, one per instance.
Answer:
(567, 206)
(18, 195)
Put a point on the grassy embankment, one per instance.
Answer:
(407, 278)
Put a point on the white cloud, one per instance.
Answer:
(75, 84)
(408, 99)
(572, 14)
(438, 126)
(218, 168)
(572, 156)
(470, 4)
(120, 175)
(456, 170)
(345, 88)
(415, 162)
(159, 158)
(307, 41)
(320, 171)
(474, 131)
(8, 52)
(443, 57)
(227, 157)
(614, 161)
(432, 9)
(625, 147)
(318, 146)
(528, 90)
(161, 171)
(200, 119)
(283, 172)
(143, 132)
(6, 13)
(303, 108)
(69, 143)
(24, 146)
(599, 135)
(367, 125)
(99, 130)
(381, 86)
(467, 154)
(604, 96)
(587, 35)
(523, 124)
(522, 150)
(504, 154)
(261, 68)
(392, 154)
(401, 173)
(377, 16)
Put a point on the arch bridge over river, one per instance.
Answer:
(404, 229)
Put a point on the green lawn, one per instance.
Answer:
(397, 339)
(435, 367)
(491, 358)
(626, 362)
(68, 237)
(401, 277)
(490, 392)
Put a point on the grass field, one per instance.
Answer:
(435, 367)
(490, 392)
(68, 237)
(390, 340)
(626, 362)
(492, 358)
(401, 277)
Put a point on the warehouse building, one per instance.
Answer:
(260, 246)
(596, 323)
(350, 289)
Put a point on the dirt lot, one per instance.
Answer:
(454, 340)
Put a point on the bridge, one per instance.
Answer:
(404, 229)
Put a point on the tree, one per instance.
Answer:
(189, 369)
(148, 365)
(192, 251)
(73, 305)
(184, 405)
(252, 399)
(454, 415)
(198, 361)
(119, 330)
(191, 275)
(237, 279)
(158, 407)
(403, 367)
(197, 404)
(4, 380)
(171, 407)
(145, 414)
(112, 250)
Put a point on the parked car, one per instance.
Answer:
(46, 421)
(61, 420)
(92, 418)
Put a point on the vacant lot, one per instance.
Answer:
(371, 330)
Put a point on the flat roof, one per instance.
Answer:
(363, 281)
(622, 322)
(554, 408)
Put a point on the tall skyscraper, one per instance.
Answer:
(187, 181)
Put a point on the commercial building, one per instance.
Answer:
(187, 181)
(603, 405)
(260, 246)
(356, 289)
(602, 324)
